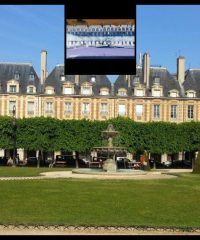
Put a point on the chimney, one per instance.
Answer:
(181, 69)
(43, 74)
(77, 79)
(128, 79)
(146, 68)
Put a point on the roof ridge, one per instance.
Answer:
(16, 63)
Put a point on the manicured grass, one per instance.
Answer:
(172, 202)
(27, 171)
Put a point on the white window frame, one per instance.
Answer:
(49, 107)
(156, 111)
(68, 107)
(86, 108)
(104, 108)
(13, 87)
(173, 111)
(30, 110)
(11, 104)
(139, 92)
(121, 109)
(190, 112)
(139, 110)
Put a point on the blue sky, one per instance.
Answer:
(26, 29)
(167, 31)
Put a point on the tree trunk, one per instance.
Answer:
(77, 157)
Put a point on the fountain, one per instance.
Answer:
(109, 166)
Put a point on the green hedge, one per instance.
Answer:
(49, 134)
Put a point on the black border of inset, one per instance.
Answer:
(104, 9)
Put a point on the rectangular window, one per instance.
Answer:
(139, 110)
(173, 111)
(68, 107)
(67, 90)
(11, 105)
(30, 107)
(13, 89)
(31, 89)
(104, 108)
(86, 90)
(49, 107)
(190, 111)
(86, 108)
(156, 111)
(156, 93)
(49, 91)
(122, 109)
(139, 93)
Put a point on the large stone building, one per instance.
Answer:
(153, 94)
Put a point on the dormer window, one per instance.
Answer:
(136, 80)
(191, 94)
(156, 80)
(62, 78)
(12, 88)
(31, 77)
(139, 92)
(31, 89)
(49, 90)
(156, 93)
(86, 89)
(16, 76)
(122, 92)
(174, 93)
(104, 91)
(68, 90)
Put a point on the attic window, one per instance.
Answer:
(174, 93)
(191, 94)
(156, 80)
(62, 77)
(16, 76)
(122, 92)
(136, 80)
(31, 76)
(104, 91)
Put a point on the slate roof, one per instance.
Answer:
(192, 81)
(167, 80)
(8, 71)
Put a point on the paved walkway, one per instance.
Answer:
(81, 230)
(159, 174)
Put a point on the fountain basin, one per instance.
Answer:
(102, 172)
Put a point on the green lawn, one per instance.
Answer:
(172, 202)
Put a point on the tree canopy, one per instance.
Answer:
(50, 134)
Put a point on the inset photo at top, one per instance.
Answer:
(100, 38)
